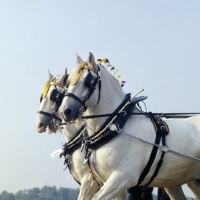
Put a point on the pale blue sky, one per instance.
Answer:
(154, 43)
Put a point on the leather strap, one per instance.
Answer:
(50, 115)
(75, 97)
(151, 159)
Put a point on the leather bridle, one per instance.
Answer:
(91, 86)
(57, 98)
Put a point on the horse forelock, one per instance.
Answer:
(73, 73)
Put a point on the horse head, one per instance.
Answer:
(90, 85)
(50, 101)
(83, 89)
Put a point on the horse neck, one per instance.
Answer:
(111, 97)
(71, 129)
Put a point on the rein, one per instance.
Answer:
(50, 115)
(167, 115)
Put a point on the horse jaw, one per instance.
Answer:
(52, 129)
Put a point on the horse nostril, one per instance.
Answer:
(67, 112)
(40, 125)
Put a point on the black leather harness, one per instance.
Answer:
(70, 147)
(91, 143)
(161, 131)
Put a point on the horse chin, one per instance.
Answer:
(52, 129)
(41, 129)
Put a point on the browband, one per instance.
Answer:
(57, 84)
(46, 89)
(76, 77)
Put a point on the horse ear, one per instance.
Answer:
(78, 59)
(65, 72)
(50, 75)
(91, 60)
(64, 76)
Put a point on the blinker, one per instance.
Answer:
(56, 96)
(46, 88)
(89, 80)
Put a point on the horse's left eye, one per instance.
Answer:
(89, 80)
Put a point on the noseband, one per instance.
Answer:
(90, 82)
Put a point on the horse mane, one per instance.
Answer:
(76, 69)
(109, 74)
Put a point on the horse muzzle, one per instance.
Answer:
(69, 115)
(40, 128)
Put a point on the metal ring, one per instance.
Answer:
(161, 114)
(161, 145)
(123, 112)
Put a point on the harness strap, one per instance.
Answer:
(70, 147)
(157, 168)
(85, 66)
(79, 133)
(50, 115)
(67, 163)
(75, 97)
(99, 91)
(104, 125)
(91, 89)
(161, 130)
(151, 159)
(109, 134)
(166, 115)
(57, 84)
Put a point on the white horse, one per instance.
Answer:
(121, 161)
(50, 102)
